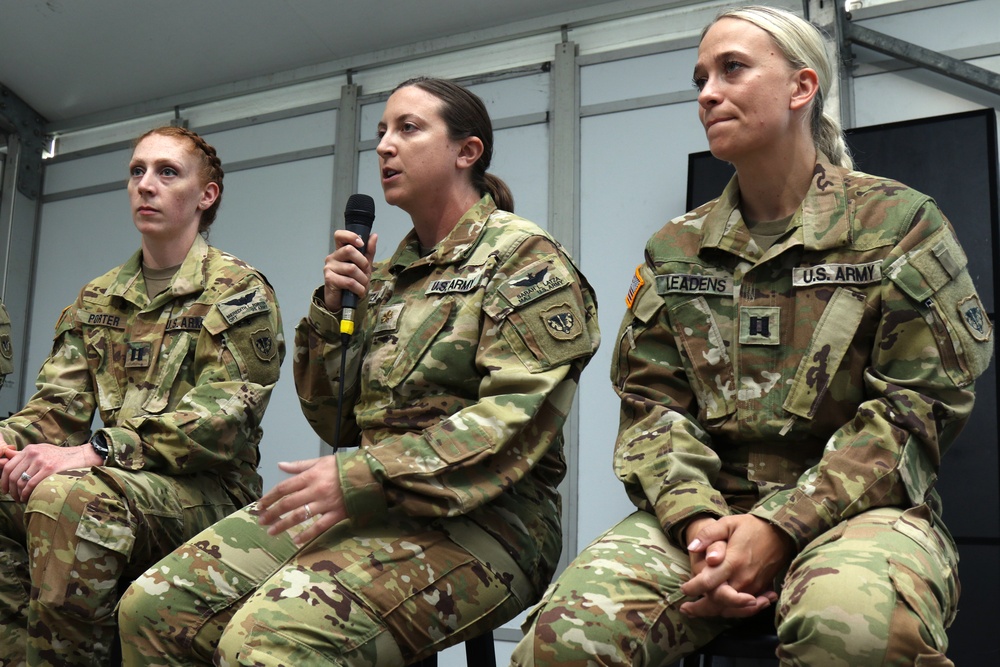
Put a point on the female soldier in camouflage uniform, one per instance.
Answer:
(178, 350)
(796, 357)
(444, 522)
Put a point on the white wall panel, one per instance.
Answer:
(633, 179)
(277, 218)
(275, 138)
(642, 76)
(87, 172)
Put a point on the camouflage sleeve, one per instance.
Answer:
(530, 349)
(62, 408)
(318, 353)
(933, 341)
(206, 412)
(662, 455)
(236, 364)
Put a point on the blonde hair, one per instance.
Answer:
(802, 45)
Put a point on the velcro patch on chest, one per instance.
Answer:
(184, 323)
(456, 284)
(243, 305)
(388, 318)
(760, 325)
(837, 274)
(139, 354)
(690, 283)
(113, 320)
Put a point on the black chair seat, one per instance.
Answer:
(479, 652)
(754, 638)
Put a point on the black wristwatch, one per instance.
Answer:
(100, 445)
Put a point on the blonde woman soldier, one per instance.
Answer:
(795, 358)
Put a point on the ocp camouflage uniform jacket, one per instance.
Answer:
(807, 384)
(6, 347)
(181, 382)
(468, 361)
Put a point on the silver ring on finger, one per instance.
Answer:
(25, 477)
(308, 512)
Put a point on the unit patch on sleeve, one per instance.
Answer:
(974, 317)
(263, 344)
(561, 322)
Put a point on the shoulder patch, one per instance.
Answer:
(633, 289)
(561, 322)
(264, 345)
(974, 317)
(243, 305)
(533, 282)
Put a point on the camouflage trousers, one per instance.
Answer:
(878, 589)
(382, 596)
(64, 554)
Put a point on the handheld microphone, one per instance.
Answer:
(358, 218)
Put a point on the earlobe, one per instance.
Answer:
(805, 87)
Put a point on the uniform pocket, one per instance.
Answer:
(417, 342)
(172, 360)
(708, 361)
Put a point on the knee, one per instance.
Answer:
(138, 607)
(853, 618)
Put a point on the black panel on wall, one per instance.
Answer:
(954, 160)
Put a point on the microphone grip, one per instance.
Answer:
(349, 300)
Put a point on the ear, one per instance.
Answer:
(805, 86)
(469, 152)
(208, 196)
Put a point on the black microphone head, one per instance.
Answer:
(360, 210)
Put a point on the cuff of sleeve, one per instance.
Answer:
(684, 503)
(124, 449)
(801, 517)
(326, 323)
(364, 498)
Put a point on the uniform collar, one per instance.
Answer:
(824, 220)
(190, 278)
(453, 248)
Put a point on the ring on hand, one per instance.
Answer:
(308, 513)
(26, 477)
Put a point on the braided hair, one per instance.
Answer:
(211, 165)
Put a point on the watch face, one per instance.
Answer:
(100, 445)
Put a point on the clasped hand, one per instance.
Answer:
(733, 564)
